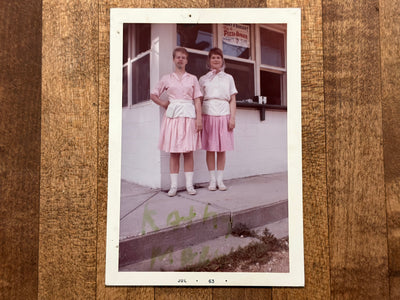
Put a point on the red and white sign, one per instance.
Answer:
(237, 35)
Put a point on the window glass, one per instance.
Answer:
(141, 79)
(136, 41)
(272, 48)
(271, 86)
(236, 40)
(243, 74)
(195, 36)
(125, 50)
(142, 38)
(125, 87)
(197, 64)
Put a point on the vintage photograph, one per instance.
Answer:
(205, 148)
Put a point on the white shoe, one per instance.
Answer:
(221, 186)
(172, 192)
(212, 186)
(191, 190)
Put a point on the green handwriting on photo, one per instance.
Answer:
(187, 257)
(173, 218)
(157, 252)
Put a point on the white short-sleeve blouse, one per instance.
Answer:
(217, 89)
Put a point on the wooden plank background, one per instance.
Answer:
(54, 62)
(20, 110)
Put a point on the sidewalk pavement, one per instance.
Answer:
(153, 224)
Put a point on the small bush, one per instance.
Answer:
(242, 230)
(255, 252)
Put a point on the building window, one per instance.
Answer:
(255, 55)
(272, 64)
(197, 64)
(198, 40)
(195, 36)
(136, 64)
(272, 48)
(236, 40)
(236, 46)
(243, 74)
(270, 86)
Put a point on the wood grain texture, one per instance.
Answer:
(389, 12)
(20, 83)
(390, 70)
(242, 293)
(393, 224)
(168, 293)
(104, 292)
(351, 161)
(240, 3)
(180, 4)
(356, 194)
(68, 201)
(315, 218)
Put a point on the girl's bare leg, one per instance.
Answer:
(210, 159)
(221, 157)
(188, 162)
(188, 168)
(173, 170)
(174, 163)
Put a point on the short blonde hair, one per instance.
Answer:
(181, 50)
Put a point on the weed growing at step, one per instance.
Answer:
(255, 252)
(242, 230)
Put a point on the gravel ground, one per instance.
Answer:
(279, 263)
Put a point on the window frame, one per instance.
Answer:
(255, 55)
(268, 68)
(217, 31)
(132, 58)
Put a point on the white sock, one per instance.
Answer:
(189, 179)
(220, 176)
(212, 176)
(174, 180)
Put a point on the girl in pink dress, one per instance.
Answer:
(182, 121)
(219, 110)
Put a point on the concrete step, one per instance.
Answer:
(153, 224)
(208, 250)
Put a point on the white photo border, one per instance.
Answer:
(289, 16)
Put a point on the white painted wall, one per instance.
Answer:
(140, 155)
(260, 146)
